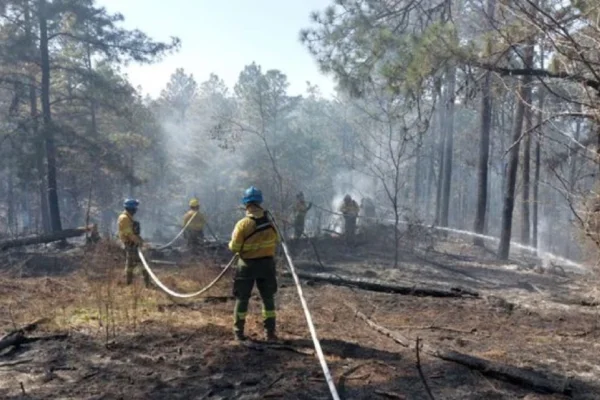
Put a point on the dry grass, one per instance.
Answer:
(95, 299)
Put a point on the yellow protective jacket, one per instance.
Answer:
(350, 209)
(301, 208)
(197, 223)
(126, 235)
(252, 240)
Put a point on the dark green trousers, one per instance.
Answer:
(194, 239)
(349, 227)
(299, 226)
(132, 260)
(262, 272)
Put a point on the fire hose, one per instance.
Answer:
(307, 314)
(183, 295)
(548, 255)
(181, 232)
(309, 320)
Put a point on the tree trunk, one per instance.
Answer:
(10, 202)
(39, 163)
(538, 156)
(39, 139)
(418, 181)
(572, 180)
(524, 99)
(484, 154)
(536, 182)
(525, 223)
(440, 150)
(448, 146)
(573, 157)
(429, 206)
(484, 145)
(48, 129)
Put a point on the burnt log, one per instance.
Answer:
(527, 378)
(50, 237)
(386, 287)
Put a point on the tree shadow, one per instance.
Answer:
(203, 364)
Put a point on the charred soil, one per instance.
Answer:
(134, 343)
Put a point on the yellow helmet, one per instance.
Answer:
(194, 203)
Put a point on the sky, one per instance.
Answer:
(222, 36)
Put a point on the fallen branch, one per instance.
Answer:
(17, 337)
(274, 346)
(50, 237)
(342, 380)
(60, 336)
(577, 334)
(533, 380)
(14, 363)
(27, 328)
(380, 286)
(163, 262)
(436, 328)
(395, 336)
(270, 385)
(420, 370)
(390, 395)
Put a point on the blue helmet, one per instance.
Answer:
(131, 203)
(252, 195)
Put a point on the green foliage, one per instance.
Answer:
(98, 118)
(364, 41)
(180, 93)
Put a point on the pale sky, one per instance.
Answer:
(222, 36)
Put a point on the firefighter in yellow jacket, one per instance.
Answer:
(129, 234)
(194, 230)
(300, 210)
(255, 240)
(349, 210)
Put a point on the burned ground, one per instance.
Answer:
(133, 343)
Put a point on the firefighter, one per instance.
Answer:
(255, 240)
(194, 232)
(300, 210)
(129, 234)
(349, 209)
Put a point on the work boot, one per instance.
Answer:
(269, 325)
(239, 336)
(147, 281)
(271, 336)
(129, 277)
(238, 330)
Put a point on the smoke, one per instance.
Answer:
(195, 167)
(354, 183)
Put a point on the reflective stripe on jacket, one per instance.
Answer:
(252, 240)
(350, 209)
(301, 208)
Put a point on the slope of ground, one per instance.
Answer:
(133, 343)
